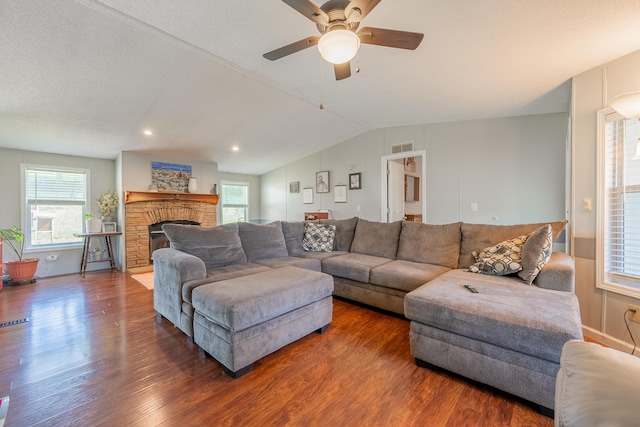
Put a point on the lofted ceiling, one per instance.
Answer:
(86, 77)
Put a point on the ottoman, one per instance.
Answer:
(509, 335)
(241, 320)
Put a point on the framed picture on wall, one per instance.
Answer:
(307, 195)
(340, 194)
(294, 187)
(322, 182)
(354, 181)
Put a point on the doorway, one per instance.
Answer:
(403, 189)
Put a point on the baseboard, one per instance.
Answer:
(608, 340)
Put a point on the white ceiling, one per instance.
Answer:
(86, 77)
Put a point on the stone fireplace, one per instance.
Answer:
(143, 209)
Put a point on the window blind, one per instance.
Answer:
(51, 187)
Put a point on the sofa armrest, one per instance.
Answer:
(558, 274)
(172, 268)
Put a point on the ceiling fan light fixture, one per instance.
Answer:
(339, 46)
(627, 104)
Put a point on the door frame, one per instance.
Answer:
(383, 181)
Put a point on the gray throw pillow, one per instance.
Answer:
(216, 246)
(536, 253)
(262, 241)
(318, 237)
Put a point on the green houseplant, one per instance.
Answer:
(22, 268)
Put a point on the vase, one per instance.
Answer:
(193, 185)
(94, 225)
(107, 219)
(22, 270)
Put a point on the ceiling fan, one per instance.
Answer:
(337, 21)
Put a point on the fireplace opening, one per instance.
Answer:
(157, 238)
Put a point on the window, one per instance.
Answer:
(55, 201)
(235, 202)
(618, 236)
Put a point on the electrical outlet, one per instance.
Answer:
(635, 317)
(52, 258)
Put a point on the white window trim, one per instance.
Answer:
(601, 279)
(223, 204)
(24, 213)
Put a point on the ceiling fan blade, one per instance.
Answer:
(365, 6)
(292, 48)
(390, 38)
(308, 9)
(342, 70)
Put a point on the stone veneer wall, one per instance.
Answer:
(139, 215)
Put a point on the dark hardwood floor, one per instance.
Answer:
(92, 354)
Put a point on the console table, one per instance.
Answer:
(85, 250)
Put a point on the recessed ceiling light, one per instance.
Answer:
(148, 132)
(235, 148)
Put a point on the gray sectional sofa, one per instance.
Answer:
(508, 335)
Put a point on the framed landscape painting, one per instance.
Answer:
(169, 177)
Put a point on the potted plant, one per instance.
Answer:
(22, 268)
(93, 225)
(108, 203)
(96, 254)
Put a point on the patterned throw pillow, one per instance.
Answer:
(318, 237)
(501, 259)
(536, 253)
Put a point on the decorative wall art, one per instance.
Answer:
(354, 181)
(410, 164)
(294, 187)
(322, 182)
(340, 194)
(307, 195)
(169, 177)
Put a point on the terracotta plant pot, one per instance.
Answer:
(22, 270)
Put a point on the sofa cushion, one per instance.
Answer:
(241, 303)
(352, 266)
(320, 255)
(216, 246)
(536, 252)
(290, 261)
(293, 233)
(345, 230)
(379, 239)
(430, 243)
(261, 241)
(478, 236)
(405, 275)
(219, 274)
(318, 237)
(501, 259)
(526, 319)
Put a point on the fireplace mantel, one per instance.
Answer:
(149, 196)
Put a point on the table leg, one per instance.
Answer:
(109, 251)
(85, 255)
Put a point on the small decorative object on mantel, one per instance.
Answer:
(355, 181)
(214, 190)
(108, 203)
(192, 187)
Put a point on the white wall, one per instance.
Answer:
(602, 311)
(102, 177)
(513, 168)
